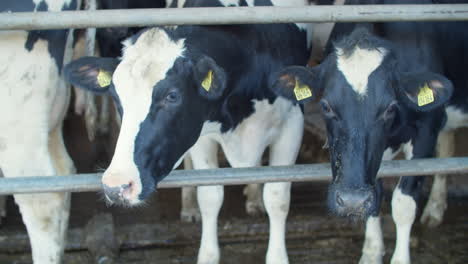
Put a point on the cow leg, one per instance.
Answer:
(189, 212)
(373, 250)
(404, 212)
(277, 195)
(45, 215)
(46, 220)
(210, 199)
(434, 211)
(254, 202)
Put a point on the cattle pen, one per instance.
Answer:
(230, 176)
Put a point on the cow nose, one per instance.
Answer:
(354, 202)
(119, 194)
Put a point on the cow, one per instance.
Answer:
(384, 89)
(253, 192)
(191, 88)
(34, 100)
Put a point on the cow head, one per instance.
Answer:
(364, 98)
(164, 97)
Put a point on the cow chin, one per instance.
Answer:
(122, 202)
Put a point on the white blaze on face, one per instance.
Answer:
(359, 65)
(144, 64)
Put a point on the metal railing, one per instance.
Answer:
(230, 176)
(231, 15)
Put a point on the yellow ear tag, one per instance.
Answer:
(425, 96)
(302, 91)
(104, 78)
(206, 84)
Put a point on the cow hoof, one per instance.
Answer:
(433, 214)
(255, 208)
(370, 259)
(190, 215)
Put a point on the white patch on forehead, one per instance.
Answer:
(144, 63)
(147, 60)
(359, 65)
(53, 5)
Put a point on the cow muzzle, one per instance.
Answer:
(351, 202)
(120, 190)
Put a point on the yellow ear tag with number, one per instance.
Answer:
(302, 91)
(425, 96)
(206, 84)
(104, 78)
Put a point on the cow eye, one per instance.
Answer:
(326, 109)
(172, 97)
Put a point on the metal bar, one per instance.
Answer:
(230, 176)
(231, 15)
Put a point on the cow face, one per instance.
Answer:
(164, 98)
(364, 97)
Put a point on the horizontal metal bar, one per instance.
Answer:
(230, 176)
(231, 15)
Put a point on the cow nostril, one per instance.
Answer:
(339, 200)
(127, 186)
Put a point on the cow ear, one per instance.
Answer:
(424, 91)
(91, 73)
(210, 78)
(296, 83)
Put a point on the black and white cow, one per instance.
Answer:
(193, 87)
(380, 95)
(33, 100)
(253, 192)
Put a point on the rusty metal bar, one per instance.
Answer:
(231, 15)
(230, 176)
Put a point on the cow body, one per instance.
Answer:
(36, 99)
(194, 87)
(384, 90)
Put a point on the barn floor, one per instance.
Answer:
(154, 234)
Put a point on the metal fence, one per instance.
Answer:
(232, 15)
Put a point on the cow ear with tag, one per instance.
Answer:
(91, 73)
(296, 83)
(210, 78)
(424, 91)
